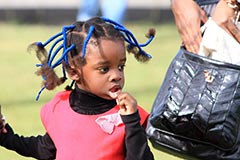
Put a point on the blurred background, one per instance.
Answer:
(65, 11)
(23, 22)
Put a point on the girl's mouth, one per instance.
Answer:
(113, 92)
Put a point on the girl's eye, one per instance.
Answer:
(121, 67)
(104, 69)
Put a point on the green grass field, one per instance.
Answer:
(19, 85)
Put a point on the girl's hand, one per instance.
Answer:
(128, 105)
(188, 17)
(2, 123)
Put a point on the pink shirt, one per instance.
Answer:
(77, 136)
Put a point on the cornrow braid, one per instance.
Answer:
(73, 40)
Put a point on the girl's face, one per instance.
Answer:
(103, 74)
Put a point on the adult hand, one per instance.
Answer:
(232, 28)
(188, 17)
(224, 17)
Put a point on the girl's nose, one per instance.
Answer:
(116, 75)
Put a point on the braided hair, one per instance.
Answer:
(73, 41)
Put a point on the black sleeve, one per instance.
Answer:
(136, 139)
(39, 147)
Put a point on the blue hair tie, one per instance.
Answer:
(53, 52)
(90, 31)
(39, 93)
(40, 44)
(129, 37)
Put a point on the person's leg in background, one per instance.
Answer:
(114, 9)
(87, 9)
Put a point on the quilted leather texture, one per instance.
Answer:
(199, 100)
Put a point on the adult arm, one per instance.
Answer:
(224, 16)
(188, 17)
(39, 147)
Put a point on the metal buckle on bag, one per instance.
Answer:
(208, 77)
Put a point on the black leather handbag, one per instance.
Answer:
(197, 109)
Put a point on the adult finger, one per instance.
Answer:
(193, 39)
(232, 28)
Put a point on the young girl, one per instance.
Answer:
(96, 120)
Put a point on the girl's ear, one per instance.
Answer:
(73, 74)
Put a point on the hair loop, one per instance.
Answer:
(134, 47)
(50, 78)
